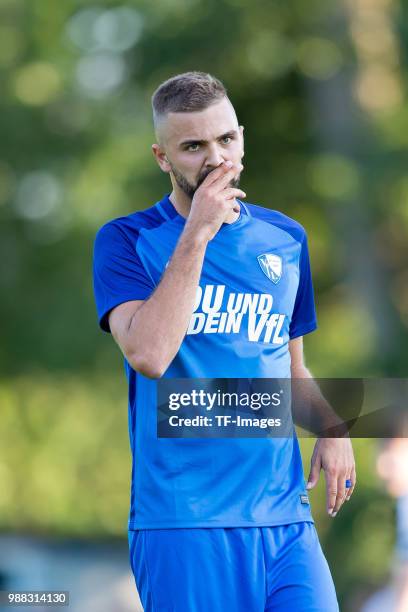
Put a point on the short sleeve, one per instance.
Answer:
(304, 312)
(118, 273)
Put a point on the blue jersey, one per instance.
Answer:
(255, 294)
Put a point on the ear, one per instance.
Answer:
(161, 158)
(241, 133)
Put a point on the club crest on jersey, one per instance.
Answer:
(271, 266)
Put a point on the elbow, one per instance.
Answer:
(149, 367)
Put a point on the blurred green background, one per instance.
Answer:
(321, 90)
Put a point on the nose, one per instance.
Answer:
(214, 156)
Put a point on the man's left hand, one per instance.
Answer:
(335, 456)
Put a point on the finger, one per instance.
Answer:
(233, 192)
(341, 493)
(219, 171)
(331, 491)
(224, 179)
(353, 480)
(314, 474)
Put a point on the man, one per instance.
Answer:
(214, 524)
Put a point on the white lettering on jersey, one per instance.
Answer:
(263, 325)
(208, 293)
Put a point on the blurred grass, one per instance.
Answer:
(64, 455)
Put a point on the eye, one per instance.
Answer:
(226, 139)
(193, 147)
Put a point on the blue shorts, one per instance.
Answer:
(248, 569)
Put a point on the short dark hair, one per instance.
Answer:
(186, 93)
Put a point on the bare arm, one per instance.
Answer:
(332, 455)
(150, 332)
(311, 410)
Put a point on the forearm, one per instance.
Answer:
(157, 328)
(310, 409)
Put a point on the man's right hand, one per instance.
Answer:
(214, 201)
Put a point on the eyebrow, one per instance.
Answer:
(186, 143)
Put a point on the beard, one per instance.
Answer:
(190, 189)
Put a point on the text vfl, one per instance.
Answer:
(223, 314)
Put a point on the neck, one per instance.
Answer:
(180, 201)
